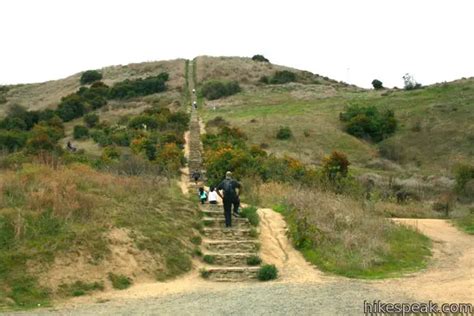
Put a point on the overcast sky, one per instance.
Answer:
(353, 41)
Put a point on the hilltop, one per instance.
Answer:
(70, 217)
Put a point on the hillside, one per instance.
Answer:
(39, 96)
(63, 231)
(71, 217)
(435, 123)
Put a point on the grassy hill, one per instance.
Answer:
(67, 222)
(435, 123)
(64, 230)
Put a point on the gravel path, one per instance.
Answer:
(336, 298)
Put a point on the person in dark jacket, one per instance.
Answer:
(230, 196)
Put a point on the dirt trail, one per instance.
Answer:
(450, 274)
(183, 183)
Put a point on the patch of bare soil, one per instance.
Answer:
(450, 274)
(124, 259)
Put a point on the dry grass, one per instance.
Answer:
(64, 224)
(44, 95)
(241, 69)
(345, 236)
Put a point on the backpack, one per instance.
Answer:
(228, 188)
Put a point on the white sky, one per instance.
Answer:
(354, 40)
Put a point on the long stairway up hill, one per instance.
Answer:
(226, 251)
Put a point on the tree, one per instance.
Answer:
(377, 84)
(260, 58)
(90, 76)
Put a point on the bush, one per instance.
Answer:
(71, 107)
(377, 84)
(110, 153)
(254, 260)
(12, 140)
(138, 122)
(132, 88)
(251, 214)
(336, 165)
(208, 259)
(80, 288)
(215, 89)
(100, 137)
(121, 138)
(368, 122)
(260, 58)
(90, 76)
(91, 120)
(119, 281)
(80, 132)
(43, 138)
(281, 77)
(267, 272)
(284, 133)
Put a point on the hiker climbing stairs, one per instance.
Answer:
(228, 253)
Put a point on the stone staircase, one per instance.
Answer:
(226, 250)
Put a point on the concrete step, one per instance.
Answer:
(230, 259)
(228, 246)
(227, 233)
(231, 274)
(220, 222)
(218, 212)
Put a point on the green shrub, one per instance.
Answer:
(284, 133)
(215, 89)
(197, 252)
(90, 76)
(12, 140)
(254, 260)
(209, 259)
(121, 138)
(138, 122)
(119, 281)
(260, 58)
(264, 79)
(377, 84)
(267, 272)
(100, 137)
(91, 120)
(140, 87)
(369, 122)
(71, 107)
(80, 288)
(283, 76)
(250, 213)
(197, 240)
(80, 132)
(204, 273)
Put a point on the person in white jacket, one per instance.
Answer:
(212, 198)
